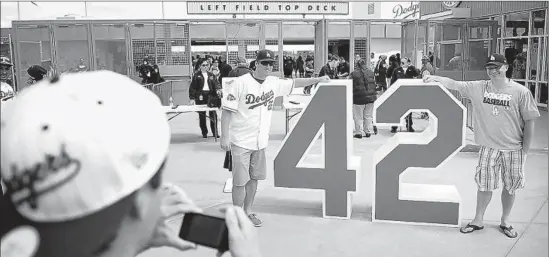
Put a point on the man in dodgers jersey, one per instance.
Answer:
(247, 106)
(504, 114)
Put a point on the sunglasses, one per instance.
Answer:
(205, 65)
(267, 63)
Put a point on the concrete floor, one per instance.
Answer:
(293, 223)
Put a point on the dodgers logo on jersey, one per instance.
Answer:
(266, 99)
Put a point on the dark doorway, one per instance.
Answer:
(340, 47)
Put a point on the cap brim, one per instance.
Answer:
(80, 237)
(496, 64)
(266, 60)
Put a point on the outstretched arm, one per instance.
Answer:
(303, 82)
(447, 82)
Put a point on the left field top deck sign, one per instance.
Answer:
(249, 7)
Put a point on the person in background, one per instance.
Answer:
(241, 68)
(300, 67)
(381, 73)
(195, 64)
(145, 70)
(364, 95)
(156, 78)
(393, 64)
(343, 69)
(426, 70)
(288, 67)
(398, 58)
(224, 68)
(204, 85)
(213, 65)
(36, 74)
(5, 71)
(357, 57)
(426, 67)
(309, 68)
(373, 61)
(330, 69)
(217, 74)
(519, 68)
(126, 158)
(81, 66)
(405, 71)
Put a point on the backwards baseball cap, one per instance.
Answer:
(265, 55)
(74, 148)
(497, 60)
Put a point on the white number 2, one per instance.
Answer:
(417, 203)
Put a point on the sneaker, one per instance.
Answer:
(358, 136)
(368, 135)
(255, 220)
(393, 130)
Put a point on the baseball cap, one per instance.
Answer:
(37, 71)
(497, 60)
(74, 149)
(425, 57)
(265, 55)
(5, 61)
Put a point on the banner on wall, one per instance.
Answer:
(249, 7)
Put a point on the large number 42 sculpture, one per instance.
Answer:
(336, 171)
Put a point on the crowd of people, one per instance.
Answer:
(370, 79)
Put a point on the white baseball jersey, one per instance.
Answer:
(252, 105)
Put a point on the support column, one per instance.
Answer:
(241, 48)
(352, 47)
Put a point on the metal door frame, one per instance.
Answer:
(261, 38)
(465, 30)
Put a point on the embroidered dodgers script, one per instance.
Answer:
(266, 99)
(29, 183)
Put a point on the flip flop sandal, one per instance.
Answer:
(470, 228)
(509, 231)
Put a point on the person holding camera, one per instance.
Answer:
(52, 168)
(205, 88)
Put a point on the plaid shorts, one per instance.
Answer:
(493, 164)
